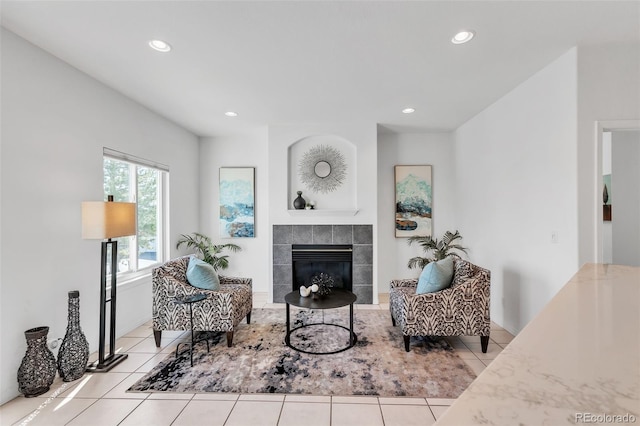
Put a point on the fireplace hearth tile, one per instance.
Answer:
(282, 234)
(302, 234)
(362, 274)
(279, 291)
(364, 293)
(322, 234)
(342, 234)
(362, 254)
(282, 275)
(362, 234)
(281, 254)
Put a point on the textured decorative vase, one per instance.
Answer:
(299, 203)
(74, 350)
(38, 367)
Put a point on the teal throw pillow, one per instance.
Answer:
(202, 275)
(436, 276)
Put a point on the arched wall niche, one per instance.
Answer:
(318, 149)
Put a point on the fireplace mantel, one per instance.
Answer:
(322, 212)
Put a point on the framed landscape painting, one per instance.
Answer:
(237, 202)
(413, 201)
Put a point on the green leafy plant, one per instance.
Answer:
(208, 251)
(437, 249)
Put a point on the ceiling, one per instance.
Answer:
(316, 61)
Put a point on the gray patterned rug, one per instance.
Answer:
(260, 362)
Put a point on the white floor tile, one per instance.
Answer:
(171, 395)
(123, 344)
(142, 331)
(307, 398)
(356, 414)
(215, 396)
(466, 353)
(18, 408)
(495, 326)
(366, 307)
(132, 363)
(441, 401)
(156, 413)
(438, 411)
(313, 413)
(152, 362)
(476, 365)
(403, 401)
(262, 397)
(470, 339)
(407, 415)
(275, 306)
(493, 350)
(120, 391)
(148, 345)
(105, 412)
(501, 336)
(58, 412)
(211, 413)
(95, 385)
(354, 400)
(254, 413)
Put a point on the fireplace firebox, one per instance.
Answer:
(309, 260)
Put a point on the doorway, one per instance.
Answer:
(618, 219)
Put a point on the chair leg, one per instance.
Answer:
(157, 334)
(393, 320)
(229, 338)
(249, 318)
(407, 339)
(484, 342)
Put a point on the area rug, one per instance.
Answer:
(260, 362)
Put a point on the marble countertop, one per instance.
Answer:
(577, 362)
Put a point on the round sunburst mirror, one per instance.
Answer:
(322, 169)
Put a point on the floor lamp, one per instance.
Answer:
(104, 220)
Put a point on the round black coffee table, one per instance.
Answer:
(336, 299)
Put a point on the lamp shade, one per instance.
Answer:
(107, 219)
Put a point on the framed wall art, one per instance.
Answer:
(413, 201)
(237, 202)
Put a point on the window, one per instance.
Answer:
(132, 179)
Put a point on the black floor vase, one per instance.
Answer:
(74, 350)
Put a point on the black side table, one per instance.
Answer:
(190, 300)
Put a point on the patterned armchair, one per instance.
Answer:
(459, 310)
(222, 310)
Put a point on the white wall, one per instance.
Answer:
(435, 149)
(516, 188)
(55, 123)
(244, 149)
(608, 90)
(625, 179)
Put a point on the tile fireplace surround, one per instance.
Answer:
(360, 236)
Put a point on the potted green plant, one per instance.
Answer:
(208, 251)
(438, 249)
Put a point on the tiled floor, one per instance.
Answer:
(101, 399)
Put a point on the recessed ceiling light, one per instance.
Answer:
(160, 46)
(231, 114)
(408, 110)
(463, 37)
